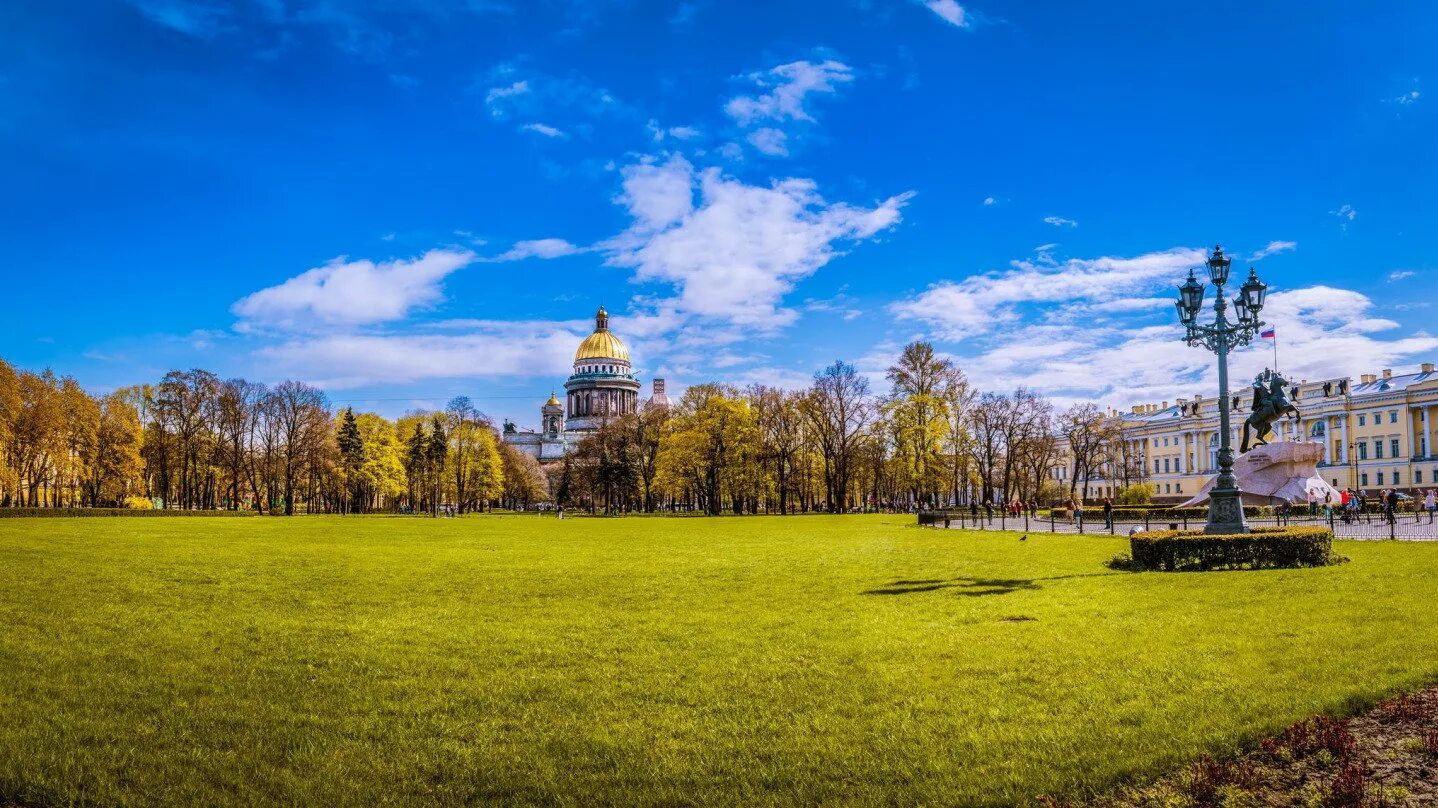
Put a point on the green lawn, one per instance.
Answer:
(333, 661)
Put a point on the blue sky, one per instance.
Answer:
(405, 201)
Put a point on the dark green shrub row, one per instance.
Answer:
(1133, 513)
(1263, 548)
(1196, 510)
(14, 513)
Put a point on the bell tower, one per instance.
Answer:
(552, 416)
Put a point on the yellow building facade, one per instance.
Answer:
(1378, 432)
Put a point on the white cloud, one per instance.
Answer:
(988, 200)
(979, 303)
(770, 141)
(350, 293)
(658, 194)
(520, 93)
(543, 129)
(1408, 97)
(1274, 248)
(1345, 212)
(1123, 346)
(659, 133)
(495, 95)
(352, 360)
(949, 10)
(735, 254)
(539, 248)
(789, 85)
(1400, 274)
(1059, 221)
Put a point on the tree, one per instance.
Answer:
(918, 413)
(382, 477)
(302, 420)
(781, 438)
(1089, 433)
(237, 418)
(351, 447)
(184, 409)
(463, 422)
(837, 410)
(437, 450)
(113, 459)
(958, 440)
(525, 482)
(712, 427)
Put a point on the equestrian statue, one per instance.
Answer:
(1270, 403)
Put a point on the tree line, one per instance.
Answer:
(197, 441)
(929, 439)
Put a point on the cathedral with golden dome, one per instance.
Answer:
(603, 386)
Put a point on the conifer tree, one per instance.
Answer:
(351, 446)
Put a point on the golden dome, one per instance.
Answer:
(602, 344)
(553, 400)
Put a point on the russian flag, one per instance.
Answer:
(1268, 333)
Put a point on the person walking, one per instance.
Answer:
(1390, 506)
(1312, 502)
(1108, 514)
(1430, 504)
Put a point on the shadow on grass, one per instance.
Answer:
(974, 587)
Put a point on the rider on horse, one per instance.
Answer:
(1270, 402)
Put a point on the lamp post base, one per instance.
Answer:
(1225, 513)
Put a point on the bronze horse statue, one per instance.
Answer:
(1269, 404)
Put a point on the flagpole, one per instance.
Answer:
(1275, 350)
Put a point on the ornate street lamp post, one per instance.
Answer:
(1225, 506)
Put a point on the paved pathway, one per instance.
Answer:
(1406, 528)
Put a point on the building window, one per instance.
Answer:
(1363, 450)
(1418, 476)
(1155, 465)
(1395, 478)
(1165, 489)
(1392, 416)
(1362, 419)
(1380, 478)
(1363, 479)
(1394, 446)
(1378, 449)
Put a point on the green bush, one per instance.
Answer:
(1263, 548)
(1137, 494)
(15, 513)
(1159, 512)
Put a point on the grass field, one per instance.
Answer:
(360, 661)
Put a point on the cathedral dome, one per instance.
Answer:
(602, 344)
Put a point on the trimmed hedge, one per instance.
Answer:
(17, 513)
(1136, 513)
(1263, 548)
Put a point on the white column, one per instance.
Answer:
(1412, 446)
(1428, 431)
